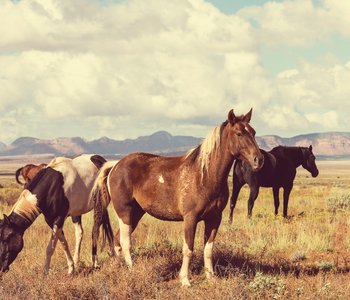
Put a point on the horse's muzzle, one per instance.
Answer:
(258, 162)
(4, 270)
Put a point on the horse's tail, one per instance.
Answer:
(18, 172)
(101, 198)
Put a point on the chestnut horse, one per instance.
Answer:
(188, 188)
(28, 172)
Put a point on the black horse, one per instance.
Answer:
(278, 171)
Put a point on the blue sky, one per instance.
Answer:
(124, 69)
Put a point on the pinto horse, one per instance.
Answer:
(188, 188)
(28, 172)
(59, 190)
(278, 171)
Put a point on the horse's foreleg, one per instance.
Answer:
(286, 193)
(78, 237)
(233, 200)
(211, 229)
(254, 192)
(276, 198)
(56, 233)
(70, 261)
(190, 225)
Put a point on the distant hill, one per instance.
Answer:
(330, 143)
(160, 141)
(324, 144)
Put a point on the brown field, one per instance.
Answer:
(303, 257)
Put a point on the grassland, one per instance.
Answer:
(303, 257)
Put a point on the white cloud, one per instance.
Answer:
(326, 120)
(316, 86)
(76, 68)
(284, 117)
(299, 23)
(288, 73)
(172, 62)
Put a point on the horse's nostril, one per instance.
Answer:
(256, 160)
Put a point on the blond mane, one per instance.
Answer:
(56, 161)
(204, 150)
(25, 208)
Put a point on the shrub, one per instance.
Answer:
(298, 255)
(265, 285)
(9, 196)
(339, 200)
(326, 266)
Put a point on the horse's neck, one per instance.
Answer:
(24, 213)
(21, 223)
(296, 156)
(220, 166)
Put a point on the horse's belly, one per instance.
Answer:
(271, 181)
(163, 209)
(79, 202)
(165, 215)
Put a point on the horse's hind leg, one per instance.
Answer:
(122, 240)
(95, 235)
(254, 192)
(211, 228)
(78, 237)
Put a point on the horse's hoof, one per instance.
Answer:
(185, 282)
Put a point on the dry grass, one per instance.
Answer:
(303, 257)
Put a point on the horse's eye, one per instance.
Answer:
(239, 134)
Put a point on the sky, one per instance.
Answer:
(129, 68)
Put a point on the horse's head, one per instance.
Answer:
(11, 243)
(309, 161)
(242, 136)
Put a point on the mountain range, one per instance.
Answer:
(162, 142)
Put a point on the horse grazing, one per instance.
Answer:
(59, 190)
(278, 171)
(188, 188)
(28, 172)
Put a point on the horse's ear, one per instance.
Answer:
(6, 220)
(248, 116)
(310, 148)
(231, 117)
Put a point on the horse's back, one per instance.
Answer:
(79, 175)
(145, 166)
(268, 176)
(154, 181)
(278, 169)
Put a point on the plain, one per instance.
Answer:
(305, 256)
